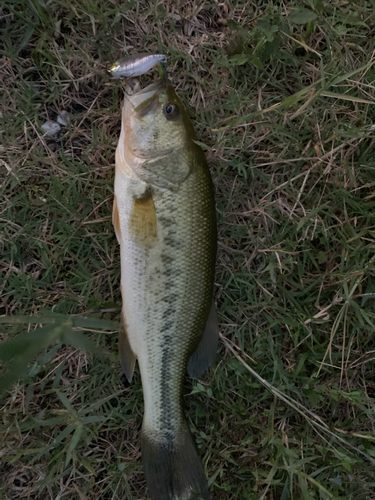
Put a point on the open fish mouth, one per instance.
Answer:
(141, 99)
(139, 104)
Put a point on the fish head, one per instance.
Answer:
(157, 135)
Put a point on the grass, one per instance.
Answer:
(282, 98)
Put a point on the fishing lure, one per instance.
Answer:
(136, 65)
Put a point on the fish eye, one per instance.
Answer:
(170, 111)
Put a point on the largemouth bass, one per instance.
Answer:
(164, 218)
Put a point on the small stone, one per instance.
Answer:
(51, 128)
(64, 118)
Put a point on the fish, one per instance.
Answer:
(165, 222)
(135, 65)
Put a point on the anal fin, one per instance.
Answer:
(127, 356)
(116, 220)
(205, 353)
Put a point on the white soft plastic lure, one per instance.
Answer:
(135, 65)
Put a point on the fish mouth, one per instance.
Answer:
(138, 104)
(145, 101)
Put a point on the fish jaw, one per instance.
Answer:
(138, 95)
(155, 148)
(134, 104)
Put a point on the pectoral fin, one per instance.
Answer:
(205, 353)
(127, 357)
(143, 226)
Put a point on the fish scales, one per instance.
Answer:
(166, 283)
(167, 266)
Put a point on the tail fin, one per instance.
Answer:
(173, 469)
